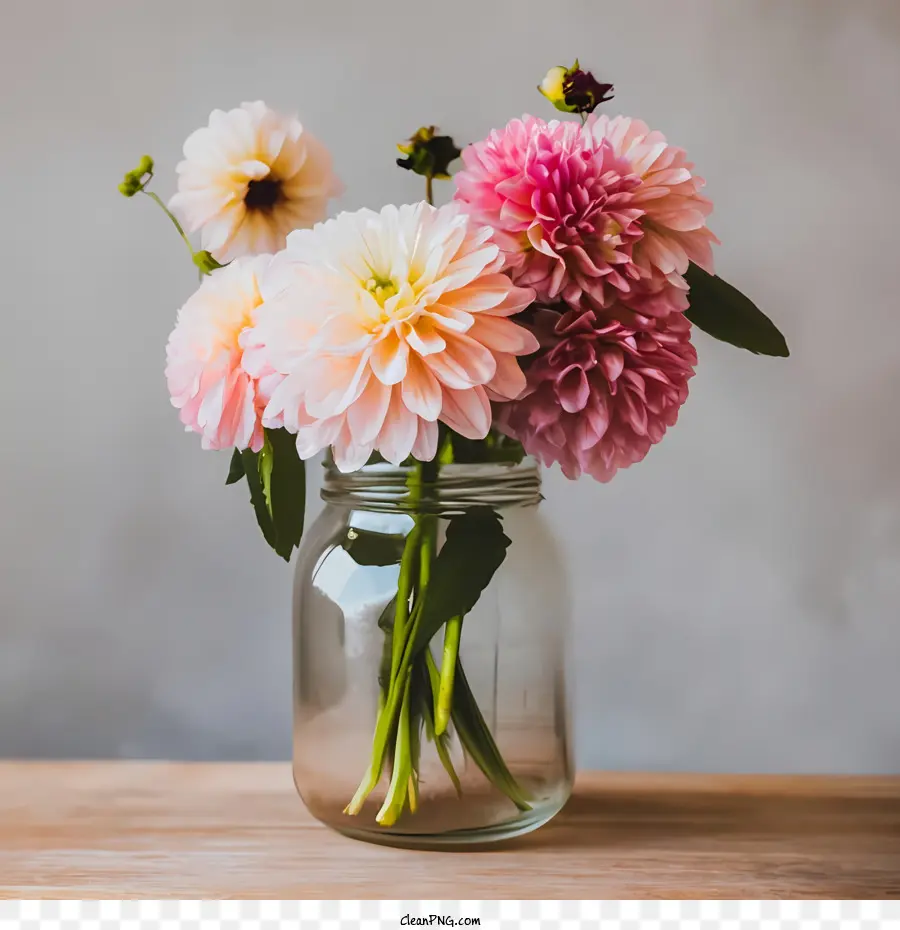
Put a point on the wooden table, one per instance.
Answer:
(132, 829)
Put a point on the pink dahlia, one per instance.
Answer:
(601, 393)
(674, 211)
(381, 324)
(562, 208)
(216, 397)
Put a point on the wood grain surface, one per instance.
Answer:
(130, 829)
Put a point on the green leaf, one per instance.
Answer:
(368, 548)
(250, 461)
(205, 262)
(277, 479)
(726, 314)
(235, 469)
(475, 548)
(286, 484)
(476, 737)
(428, 154)
(386, 625)
(494, 448)
(266, 467)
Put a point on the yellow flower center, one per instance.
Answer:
(382, 289)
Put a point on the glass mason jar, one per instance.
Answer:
(405, 576)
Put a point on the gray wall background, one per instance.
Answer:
(737, 593)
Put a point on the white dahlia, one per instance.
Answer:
(381, 324)
(249, 178)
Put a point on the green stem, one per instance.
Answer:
(395, 718)
(404, 780)
(425, 669)
(475, 737)
(429, 189)
(404, 589)
(170, 215)
(385, 722)
(415, 749)
(448, 674)
(400, 777)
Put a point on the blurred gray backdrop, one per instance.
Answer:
(736, 594)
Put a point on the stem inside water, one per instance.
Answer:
(416, 693)
(448, 674)
(397, 792)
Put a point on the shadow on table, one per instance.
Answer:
(603, 821)
(817, 846)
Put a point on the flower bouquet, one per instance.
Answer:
(544, 313)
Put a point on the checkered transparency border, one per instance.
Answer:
(491, 915)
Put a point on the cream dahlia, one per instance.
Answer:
(381, 324)
(249, 178)
(600, 394)
(562, 207)
(216, 397)
(674, 211)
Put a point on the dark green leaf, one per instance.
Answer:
(476, 737)
(368, 548)
(494, 448)
(277, 480)
(250, 461)
(475, 548)
(386, 625)
(287, 491)
(236, 469)
(428, 154)
(726, 314)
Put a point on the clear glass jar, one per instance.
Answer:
(507, 742)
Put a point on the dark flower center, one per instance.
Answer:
(263, 195)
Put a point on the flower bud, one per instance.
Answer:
(130, 186)
(134, 179)
(572, 90)
(428, 154)
(552, 87)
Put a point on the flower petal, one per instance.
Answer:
(474, 358)
(399, 432)
(421, 391)
(348, 455)
(467, 412)
(389, 359)
(486, 292)
(509, 381)
(335, 382)
(366, 415)
(318, 435)
(503, 335)
(425, 447)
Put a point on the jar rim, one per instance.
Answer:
(386, 487)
